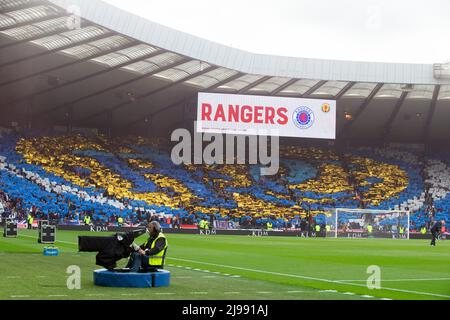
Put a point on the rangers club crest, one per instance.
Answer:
(303, 117)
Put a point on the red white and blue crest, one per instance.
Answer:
(303, 117)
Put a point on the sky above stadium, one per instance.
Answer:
(408, 31)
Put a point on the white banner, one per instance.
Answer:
(261, 115)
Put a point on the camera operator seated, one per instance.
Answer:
(149, 256)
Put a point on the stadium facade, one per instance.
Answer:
(119, 72)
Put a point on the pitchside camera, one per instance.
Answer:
(110, 248)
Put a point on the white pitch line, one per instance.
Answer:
(200, 292)
(328, 291)
(95, 294)
(264, 292)
(349, 293)
(235, 276)
(232, 292)
(399, 280)
(20, 296)
(366, 296)
(57, 295)
(24, 235)
(385, 299)
(164, 293)
(297, 291)
(311, 278)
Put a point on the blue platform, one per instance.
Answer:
(51, 251)
(105, 278)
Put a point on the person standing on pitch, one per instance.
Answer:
(435, 230)
(30, 220)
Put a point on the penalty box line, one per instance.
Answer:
(311, 278)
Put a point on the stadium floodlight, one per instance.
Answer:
(407, 87)
(441, 70)
(368, 223)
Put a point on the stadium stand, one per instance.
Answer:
(103, 74)
(66, 177)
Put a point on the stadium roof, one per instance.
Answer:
(122, 71)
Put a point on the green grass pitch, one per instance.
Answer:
(239, 267)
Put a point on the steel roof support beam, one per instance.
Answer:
(28, 4)
(26, 23)
(252, 85)
(313, 89)
(147, 75)
(170, 106)
(215, 86)
(91, 95)
(34, 94)
(347, 87)
(150, 93)
(283, 86)
(77, 61)
(46, 34)
(361, 109)
(430, 115)
(47, 52)
(387, 127)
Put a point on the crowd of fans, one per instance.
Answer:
(131, 180)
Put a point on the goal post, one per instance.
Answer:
(367, 223)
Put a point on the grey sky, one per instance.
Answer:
(409, 31)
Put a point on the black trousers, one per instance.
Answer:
(137, 261)
(434, 236)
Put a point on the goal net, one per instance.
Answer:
(366, 223)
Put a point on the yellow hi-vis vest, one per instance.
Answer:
(369, 228)
(317, 228)
(201, 224)
(157, 259)
(423, 230)
(328, 228)
(269, 226)
(120, 220)
(402, 230)
(87, 219)
(207, 225)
